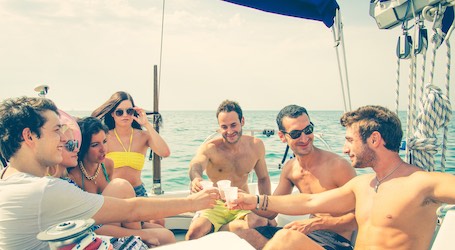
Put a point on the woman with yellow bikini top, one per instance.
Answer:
(127, 141)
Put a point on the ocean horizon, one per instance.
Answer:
(185, 131)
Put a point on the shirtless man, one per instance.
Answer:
(231, 157)
(31, 139)
(311, 171)
(395, 206)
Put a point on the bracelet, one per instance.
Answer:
(257, 202)
(265, 203)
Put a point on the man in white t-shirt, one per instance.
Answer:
(31, 140)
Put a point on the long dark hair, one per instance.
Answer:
(104, 112)
(89, 126)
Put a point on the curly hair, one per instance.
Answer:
(376, 118)
(19, 113)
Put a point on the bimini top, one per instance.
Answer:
(319, 10)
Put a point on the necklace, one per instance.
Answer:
(121, 143)
(84, 171)
(378, 182)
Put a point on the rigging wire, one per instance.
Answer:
(161, 49)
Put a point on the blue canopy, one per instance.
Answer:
(320, 10)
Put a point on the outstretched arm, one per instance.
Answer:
(336, 201)
(145, 209)
(442, 186)
(284, 187)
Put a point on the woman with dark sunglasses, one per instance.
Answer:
(127, 141)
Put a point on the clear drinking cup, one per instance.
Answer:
(221, 185)
(206, 184)
(230, 194)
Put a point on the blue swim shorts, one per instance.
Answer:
(326, 239)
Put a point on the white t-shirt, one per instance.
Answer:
(30, 204)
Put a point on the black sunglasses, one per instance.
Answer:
(119, 112)
(71, 145)
(294, 134)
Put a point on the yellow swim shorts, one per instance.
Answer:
(221, 215)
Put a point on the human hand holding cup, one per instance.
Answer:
(206, 184)
(230, 194)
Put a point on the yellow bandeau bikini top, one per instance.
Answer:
(127, 158)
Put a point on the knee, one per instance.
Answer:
(244, 233)
(119, 188)
(256, 221)
(167, 237)
(193, 233)
(284, 234)
(196, 233)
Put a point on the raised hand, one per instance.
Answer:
(196, 185)
(204, 199)
(245, 201)
(141, 117)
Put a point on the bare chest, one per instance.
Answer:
(393, 208)
(311, 182)
(237, 164)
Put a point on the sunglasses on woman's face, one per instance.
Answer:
(294, 134)
(128, 111)
(71, 145)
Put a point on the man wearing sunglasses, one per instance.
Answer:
(312, 170)
(31, 139)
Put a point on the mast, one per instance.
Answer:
(156, 120)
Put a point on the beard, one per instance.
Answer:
(365, 158)
(239, 134)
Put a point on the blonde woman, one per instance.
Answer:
(116, 188)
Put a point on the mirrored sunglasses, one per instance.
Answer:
(294, 134)
(119, 112)
(71, 145)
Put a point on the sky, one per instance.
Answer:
(86, 50)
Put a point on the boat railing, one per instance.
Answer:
(443, 234)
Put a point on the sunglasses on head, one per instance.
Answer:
(119, 112)
(71, 145)
(294, 134)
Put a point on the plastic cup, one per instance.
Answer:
(222, 185)
(230, 193)
(206, 184)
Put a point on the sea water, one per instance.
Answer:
(185, 131)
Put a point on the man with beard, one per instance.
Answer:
(395, 206)
(231, 157)
(311, 171)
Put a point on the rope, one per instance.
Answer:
(411, 107)
(435, 108)
(436, 113)
(446, 127)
